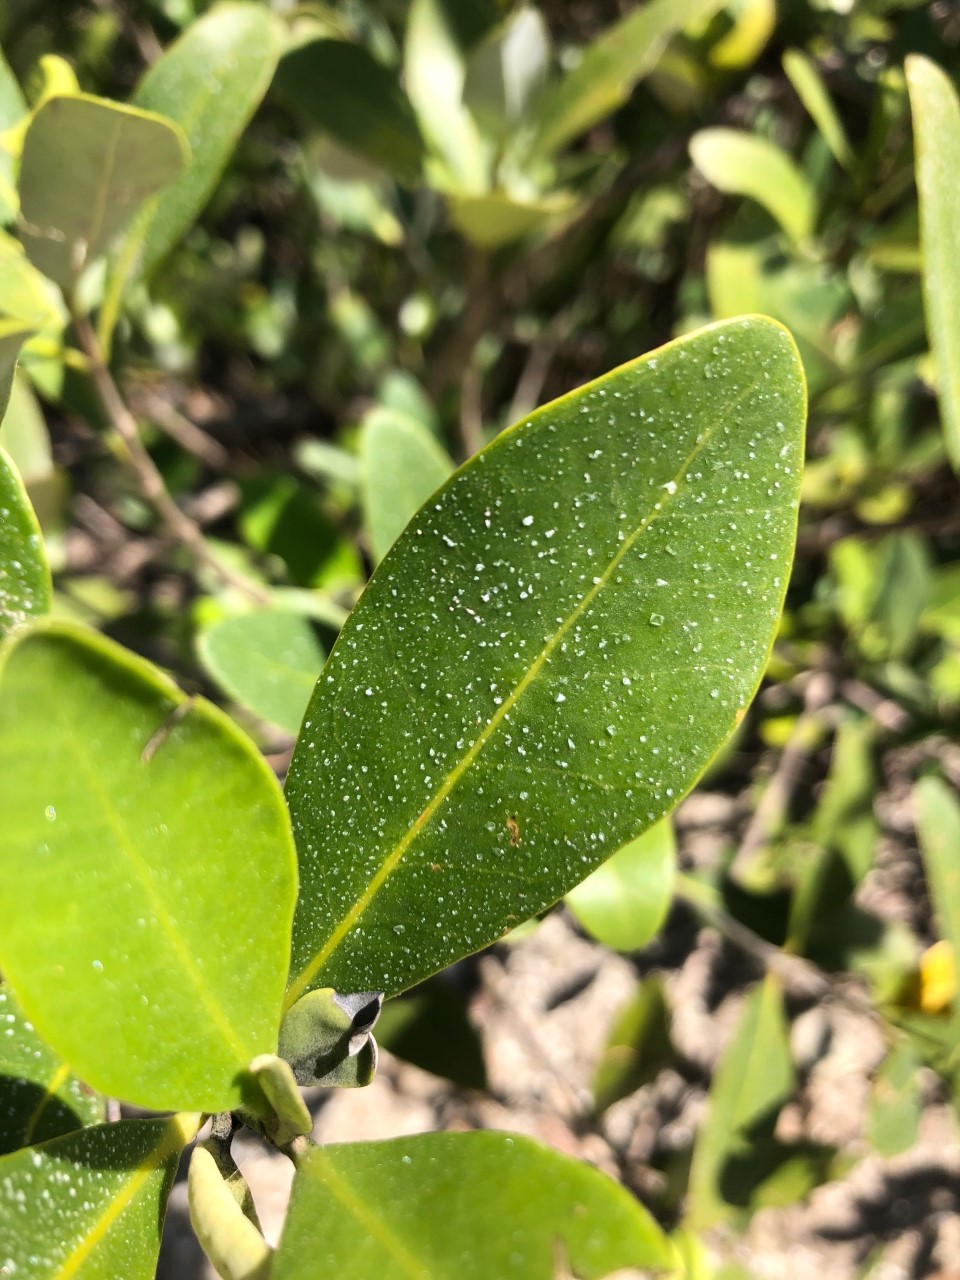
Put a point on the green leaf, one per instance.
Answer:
(803, 74)
(88, 166)
(497, 218)
(610, 67)
(893, 1118)
(286, 1117)
(147, 876)
(624, 903)
(936, 135)
(423, 1206)
(342, 89)
(268, 661)
(547, 659)
(39, 1097)
(402, 464)
(743, 164)
(430, 1027)
(326, 1038)
(24, 575)
(26, 294)
(753, 24)
(638, 1048)
(754, 1079)
(91, 1205)
(209, 82)
(506, 70)
(13, 334)
(938, 826)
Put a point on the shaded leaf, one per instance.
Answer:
(88, 165)
(893, 1117)
(24, 575)
(147, 877)
(624, 903)
(638, 1048)
(495, 706)
(936, 134)
(744, 164)
(91, 1204)
(610, 67)
(39, 1097)
(342, 89)
(506, 71)
(326, 1038)
(423, 1206)
(430, 1028)
(402, 464)
(268, 661)
(753, 1080)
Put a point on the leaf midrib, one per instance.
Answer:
(306, 975)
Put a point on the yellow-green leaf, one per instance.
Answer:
(625, 901)
(24, 574)
(402, 464)
(744, 164)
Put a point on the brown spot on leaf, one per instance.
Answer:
(514, 828)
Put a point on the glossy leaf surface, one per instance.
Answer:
(936, 135)
(423, 1206)
(24, 575)
(744, 164)
(268, 661)
(147, 876)
(90, 1205)
(610, 67)
(87, 167)
(402, 464)
(209, 82)
(625, 901)
(39, 1097)
(547, 659)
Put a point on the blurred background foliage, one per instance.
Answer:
(442, 214)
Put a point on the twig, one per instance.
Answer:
(186, 433)
(178, 524)
(541, 355)
(773, 804)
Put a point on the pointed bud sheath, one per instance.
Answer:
(229, 1238)
(285, 1116)
(326, 1038)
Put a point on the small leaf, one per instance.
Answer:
(803, 74)
(424, 1206)
(938, 826)
(610, 67)
(147, 876)
(893, 1118)
(88, 166)
(938, 978)
(24, 575)
(268, 661)
(638, 1048)
(936, 133)
(624, 903)
(230, 1240)
(209, 82)
(326, 1038)
(743, 164)
(91, 1204)
(39, 1097)
(496, 218)
(26, 294)
(401, 466)
(753, 1080)
(495, 705)
(341, 89)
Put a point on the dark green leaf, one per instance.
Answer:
(88, 166)
(430, 1028)
(39, 1097)
(547, 659)
(24, 575)
(625, 901)
(936, 133)
(401, 465)
(423, 1206)
(147, 875)
(269, 661)
(91, 1204)
(342, 89)
(638, 1047)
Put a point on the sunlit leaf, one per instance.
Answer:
(625, 901)
(744, 164)
(936, 133)
(547, 659)
(496, 218)
(402, 464)
(88, 166)
(753, 24)
(423, 1206)
(147, 875)
(893, 1118)
(24, 575)
(803, 74)
(39, 1096)
(91, 1205)
(938, 826)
